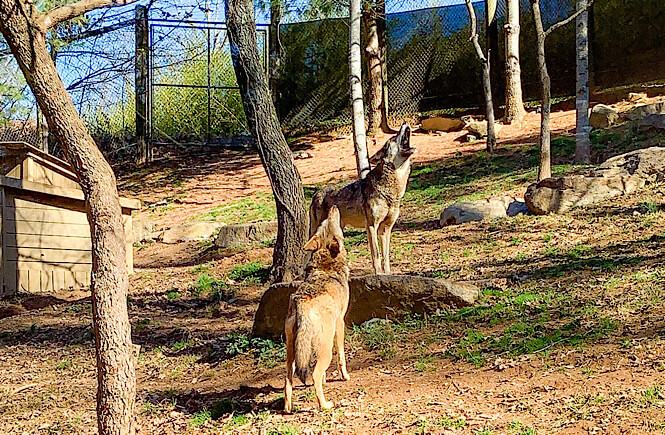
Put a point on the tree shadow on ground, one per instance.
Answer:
(237, 401)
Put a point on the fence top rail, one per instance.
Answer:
(199, 23)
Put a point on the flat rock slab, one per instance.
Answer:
(371, 296)
(620, 175)
(469, 211)
(237, 236)
(442, 123)
(191, 231)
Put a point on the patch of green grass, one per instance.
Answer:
(254, 208)
(648, 207)
(250, 273)
(200, 418)
(516, 241)
(483, 431)
(238, 343)
(200, 268)
(173, 295)
(284, 429)
(142, 324)
(377, 334)
(450, 422)
(424, 364)
(216, 289)
(63, 365)
(548, 237)
(521, 256)
(652, 395)
(180, 345)
(239, 420)
(579, 251)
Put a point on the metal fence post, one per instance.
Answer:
(143, 152)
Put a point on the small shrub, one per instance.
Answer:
(254, 273)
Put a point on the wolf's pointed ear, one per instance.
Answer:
(313, 244)
(334, 216)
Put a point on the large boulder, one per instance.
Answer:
(468, 211)
(242, 235)
(620, 175)
(383, 296)
(191, 231)
(603, 116)
(479, 128)
(442, 123)
(637, 113)
(656, 120)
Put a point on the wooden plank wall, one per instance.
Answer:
(46, 247)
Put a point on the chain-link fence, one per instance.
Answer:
(431, 66)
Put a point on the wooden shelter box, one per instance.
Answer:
(44, 231)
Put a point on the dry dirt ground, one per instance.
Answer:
(568, 340)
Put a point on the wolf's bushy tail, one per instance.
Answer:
(306, 345)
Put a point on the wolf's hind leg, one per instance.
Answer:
(319, 373)
(339, 343)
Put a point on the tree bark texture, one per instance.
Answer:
(375, 72)
(582, 140)
(487, 85)
(141, 60)
(115, 353)
(515, 111)
(275, 46)
(274, 152)
(545, 161)
(356, 89)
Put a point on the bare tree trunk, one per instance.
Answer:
(487, 85)
(582, 140)
(514, 104)
(273, 149)
(275, 46)
(115, 353)
(375, 72)
(381, 28)
(355, 82)
(545, 162)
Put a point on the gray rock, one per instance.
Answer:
(620, 175)
(191, 231)
(656, 120)
(639, 112)
(468, 211)
(603, 116)
(479, 128)
(242, 235)
(442, 123)
(372, 296)
(142, 229)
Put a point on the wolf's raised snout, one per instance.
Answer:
(372, 202)
(315, 320)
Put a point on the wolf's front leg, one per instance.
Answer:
(373, 241)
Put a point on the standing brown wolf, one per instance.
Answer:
(315, 319)
(372, 202)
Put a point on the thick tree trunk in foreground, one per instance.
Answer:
(375, 72)
(487, 85)
(115, 352)
(545, 162)
(273, 149)
(514, 104)
(355, 83)
(582, 140)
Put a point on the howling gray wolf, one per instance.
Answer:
(372, 202)
(315, 320)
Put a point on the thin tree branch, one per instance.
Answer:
(474, 32)
(67, 12)
(555, 26)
